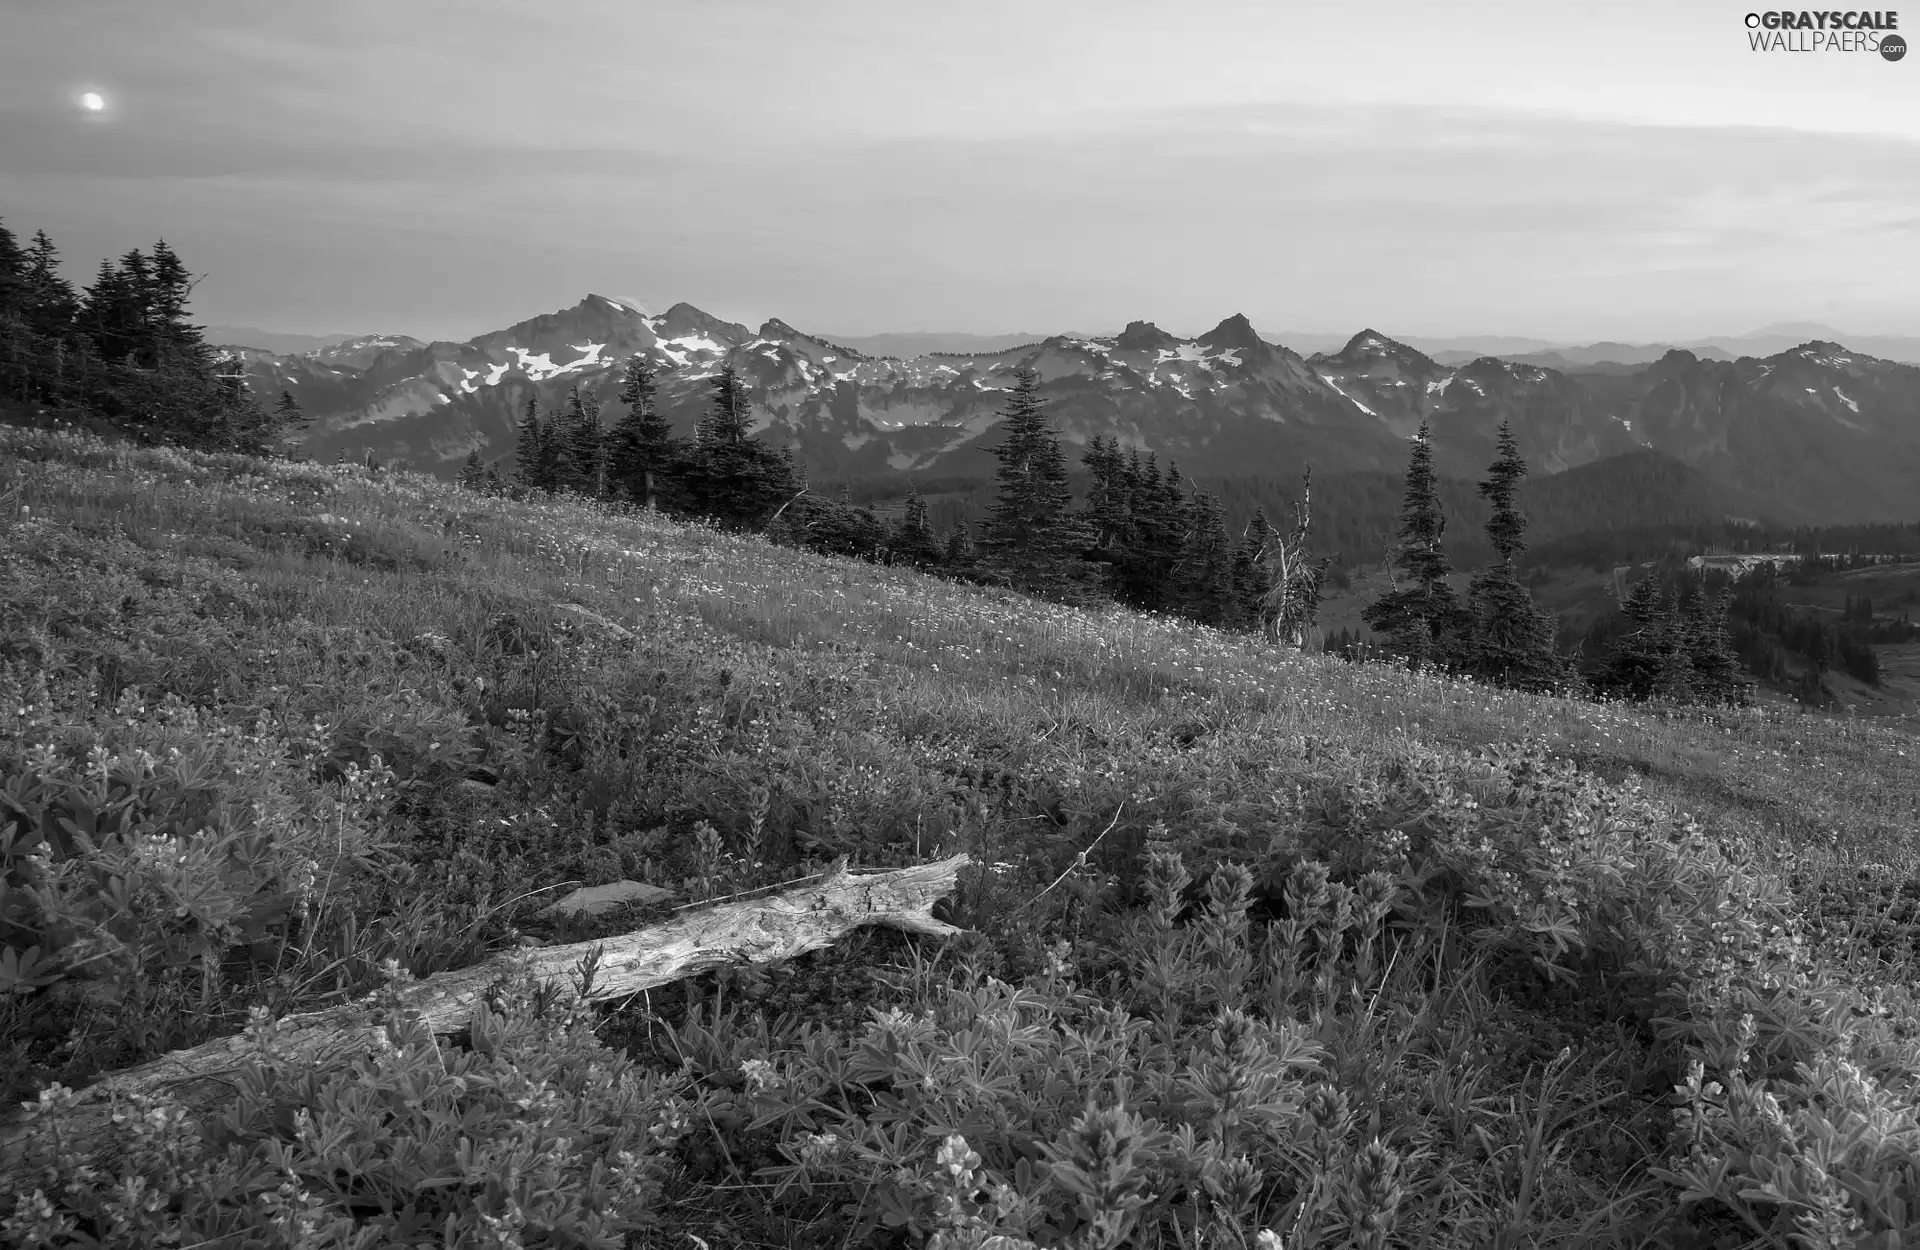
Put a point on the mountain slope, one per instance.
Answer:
(1824, 433)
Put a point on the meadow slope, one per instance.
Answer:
(1266, 948)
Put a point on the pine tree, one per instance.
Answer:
(1420, 615)
(530, 450)
(51, 303)
(287, 414)
(1716, 669)
(728, 474)
(1144, 573)
(1650, 658)
(473, 473)
(1510, 641)
(912, 541)
(112, 314)
(168, 286)
(643, 447)
(1106, 510)
(1030, 539)
(960, 553)
(13, 272)
(578, 450)
(730, 416)
(18, 351)
(1204, 575)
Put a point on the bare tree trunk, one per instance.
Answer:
(756, 931)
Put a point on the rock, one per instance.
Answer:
(595, 900)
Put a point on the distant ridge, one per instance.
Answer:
(1822, 432)
(927, 343)
(272, 340)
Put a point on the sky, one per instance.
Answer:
(1625, 170)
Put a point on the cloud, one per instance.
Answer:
(444, 168)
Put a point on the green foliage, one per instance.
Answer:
(1266, 950)
(728, 475)
(1508, 641)
(1420, 615)
(643, 450)
(122, 350)
(1031, 541)
(532, 1134)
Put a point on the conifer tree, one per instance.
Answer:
(729, 475)
(1144, 576)
(643, 446)
(51, 303)
(1249, 572)
(912, 541)
(579, 452)
(1510, 641)
(1716, 669)
(168, 287)
(13, 272)
(530, 450)
(960, 552)
(730, 416)
(1650, 659)
(1204, 576)
(1420, 615)
(473, 474)
(288, 415)
(1106, 510)
(1030, 539)
(18, 351)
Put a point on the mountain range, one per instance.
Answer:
(1812, 433)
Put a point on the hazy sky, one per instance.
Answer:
(1612, 170)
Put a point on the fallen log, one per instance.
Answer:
(755, 931)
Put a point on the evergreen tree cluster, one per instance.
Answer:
(723, 473)
(1667, 642)
(1677, 647)
(1772, 635)
(1166, 545)
(1497, 635)
(122, 350)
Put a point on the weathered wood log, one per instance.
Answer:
(754, 931)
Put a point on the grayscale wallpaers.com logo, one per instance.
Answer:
(1828, 31)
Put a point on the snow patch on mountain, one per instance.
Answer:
(1842, 395)
(535, 367)
(1350, 399)
(693, 343)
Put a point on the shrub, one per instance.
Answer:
(533, 1134)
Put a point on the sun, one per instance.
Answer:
(92, 101)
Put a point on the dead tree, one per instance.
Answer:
(1292, 600)
(749, 932)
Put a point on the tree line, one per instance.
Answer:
(121, 350)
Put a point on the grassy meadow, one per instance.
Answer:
(1264, 949)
